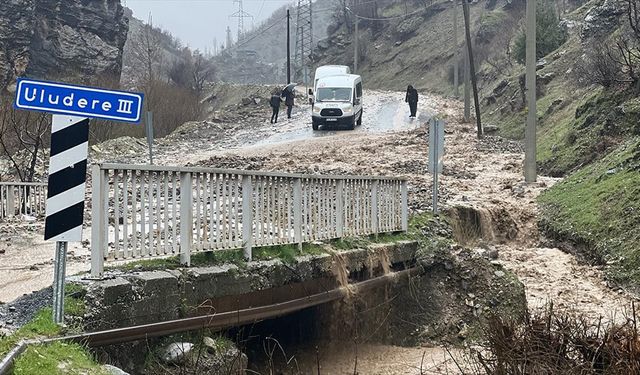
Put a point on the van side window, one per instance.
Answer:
(359, 89)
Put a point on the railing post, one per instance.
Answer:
(340, 208)
(405, 206)
(374, 207)
(247, 216)
(11, 201)
(186, 217)
(98, 221)
(297, 211)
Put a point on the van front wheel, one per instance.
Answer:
(360, 119)
(314, 125)
(352, 124)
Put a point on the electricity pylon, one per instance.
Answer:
(304, 40)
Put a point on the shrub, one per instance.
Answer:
(560, 343)
(550, 33)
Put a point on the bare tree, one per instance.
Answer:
(201, 72)
(147, 52)
(23, 138)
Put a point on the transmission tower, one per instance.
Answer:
(304, 40)
(240, 15)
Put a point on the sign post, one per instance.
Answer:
(149, 131)
(71, 106)
(436, 153)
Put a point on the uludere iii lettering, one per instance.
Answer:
(78, 100)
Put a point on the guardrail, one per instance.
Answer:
(140, 211)
(22, 198)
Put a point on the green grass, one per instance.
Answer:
(598, 207)
(57, 358)
(286, 253)
(54, 358)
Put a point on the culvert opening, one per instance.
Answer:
(273, 345)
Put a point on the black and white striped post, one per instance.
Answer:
(71, 106)
(66, 195)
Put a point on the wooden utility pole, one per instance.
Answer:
(288, 47)
(467, 86)
(355, 38)
(530, 168)
(456, 57)
(472, 68)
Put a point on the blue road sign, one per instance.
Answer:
(64, 99)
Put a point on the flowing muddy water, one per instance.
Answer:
(348, 358)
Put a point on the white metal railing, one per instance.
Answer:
(22, 198)
(139, 211)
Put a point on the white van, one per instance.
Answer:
(327, 71)
(338, 101)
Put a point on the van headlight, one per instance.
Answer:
(347, 110)
(316, 109)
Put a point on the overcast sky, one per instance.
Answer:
(198, 22)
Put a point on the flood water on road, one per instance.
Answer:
(383, 112)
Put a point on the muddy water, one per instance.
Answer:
(338, 358)
(27, 263)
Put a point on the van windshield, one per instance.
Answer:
(334, 94)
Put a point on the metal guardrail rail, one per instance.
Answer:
(140, 211)
(22, 198)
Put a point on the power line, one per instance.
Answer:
(245, 42)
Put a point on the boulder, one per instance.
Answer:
(324, 44)
(112, 370)
(601, 18)
(501, 88)
(490, 129)
(176, 353)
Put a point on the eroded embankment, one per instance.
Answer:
(549, 274)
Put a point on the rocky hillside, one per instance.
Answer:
(71, 40)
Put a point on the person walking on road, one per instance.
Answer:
(288, 96)
(412, 99)
(275, 106)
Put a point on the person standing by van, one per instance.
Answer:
(288, 100)
(275, 106)
(412, 99)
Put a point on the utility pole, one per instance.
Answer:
(229, 41)
(467, 86)
(456, 56)
(472, 68)
(355, 37)
(288, 47)
(530, 168)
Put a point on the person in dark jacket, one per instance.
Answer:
(288, 100)
(275, 106)
(412, 99)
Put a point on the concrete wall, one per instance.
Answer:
(146, 297)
